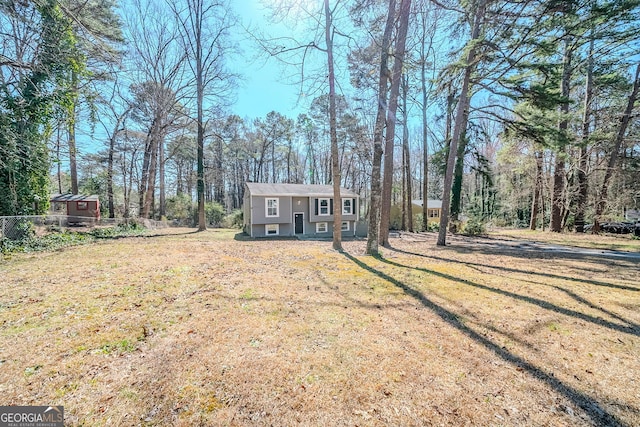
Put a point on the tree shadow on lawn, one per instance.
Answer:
(573, 296)
(592, 407)
(516, 270)
(630, 327)
(538, 250)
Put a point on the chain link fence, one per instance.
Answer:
(19, 227)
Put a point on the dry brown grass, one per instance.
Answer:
(607, 241)
(201, 329)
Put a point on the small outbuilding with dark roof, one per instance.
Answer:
(78, 205)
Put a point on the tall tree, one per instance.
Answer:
(159, 88)
(624, 120)
(333, 132)
(97, 33)
(559, 197)
(205, 28)
(35, 61)
(376, 187)
(394, 92)
(461, 113)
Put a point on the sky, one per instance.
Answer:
(264, 86)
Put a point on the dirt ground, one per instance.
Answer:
(183, 328)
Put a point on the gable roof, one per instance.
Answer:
(295, 190)
(431, 204)
(73, 198)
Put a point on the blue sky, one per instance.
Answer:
(264, 86)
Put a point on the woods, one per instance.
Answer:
(512, 113)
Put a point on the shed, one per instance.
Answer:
(78, 205)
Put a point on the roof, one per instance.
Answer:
(74, 198)
(431, 204)
(305, 190)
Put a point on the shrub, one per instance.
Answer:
(214, 213)
(418, 224)
(180, 208)
(473, 227)
(234, 219)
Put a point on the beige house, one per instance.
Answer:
(434, 208)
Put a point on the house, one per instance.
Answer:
(297, 209)
(77, 205)
(632, 215)
(434, 208)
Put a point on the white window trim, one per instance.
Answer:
(320, 207)
(343, 224)
(326, 227)
(266, 229)
(344, 212)
(266, 207)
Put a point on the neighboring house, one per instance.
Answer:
(434, 208)
(632, 214)
(76, 205)
(296, 209)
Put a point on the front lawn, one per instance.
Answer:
(212, 328)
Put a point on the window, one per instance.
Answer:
(345, 226)
(83, 206)
(272, 207)
(347, 209)
(272, 229)
(324, 206)
(321, 227)
(434, 213)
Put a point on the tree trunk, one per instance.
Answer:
(407, 156)
(459, 124)
(615, 152)
(425, 147)
(197, 22)
(583, 184)
(374, 208)
(161, 164)
(58, 165)
(112, 145)
(458, 172)
(73, 152)
(537, 191)
(425, 131)
(387, 183)
(333, 133)
(558, 200)
(146, 158)
(147, 208)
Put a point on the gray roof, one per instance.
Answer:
(431, 204)
(295, 190)
(73, 198)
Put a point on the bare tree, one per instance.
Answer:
(205, 30)
(159, 87)
(335, 154)
(394, 92)
(117, 110)
(376, 187)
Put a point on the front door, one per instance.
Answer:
(298, 219)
